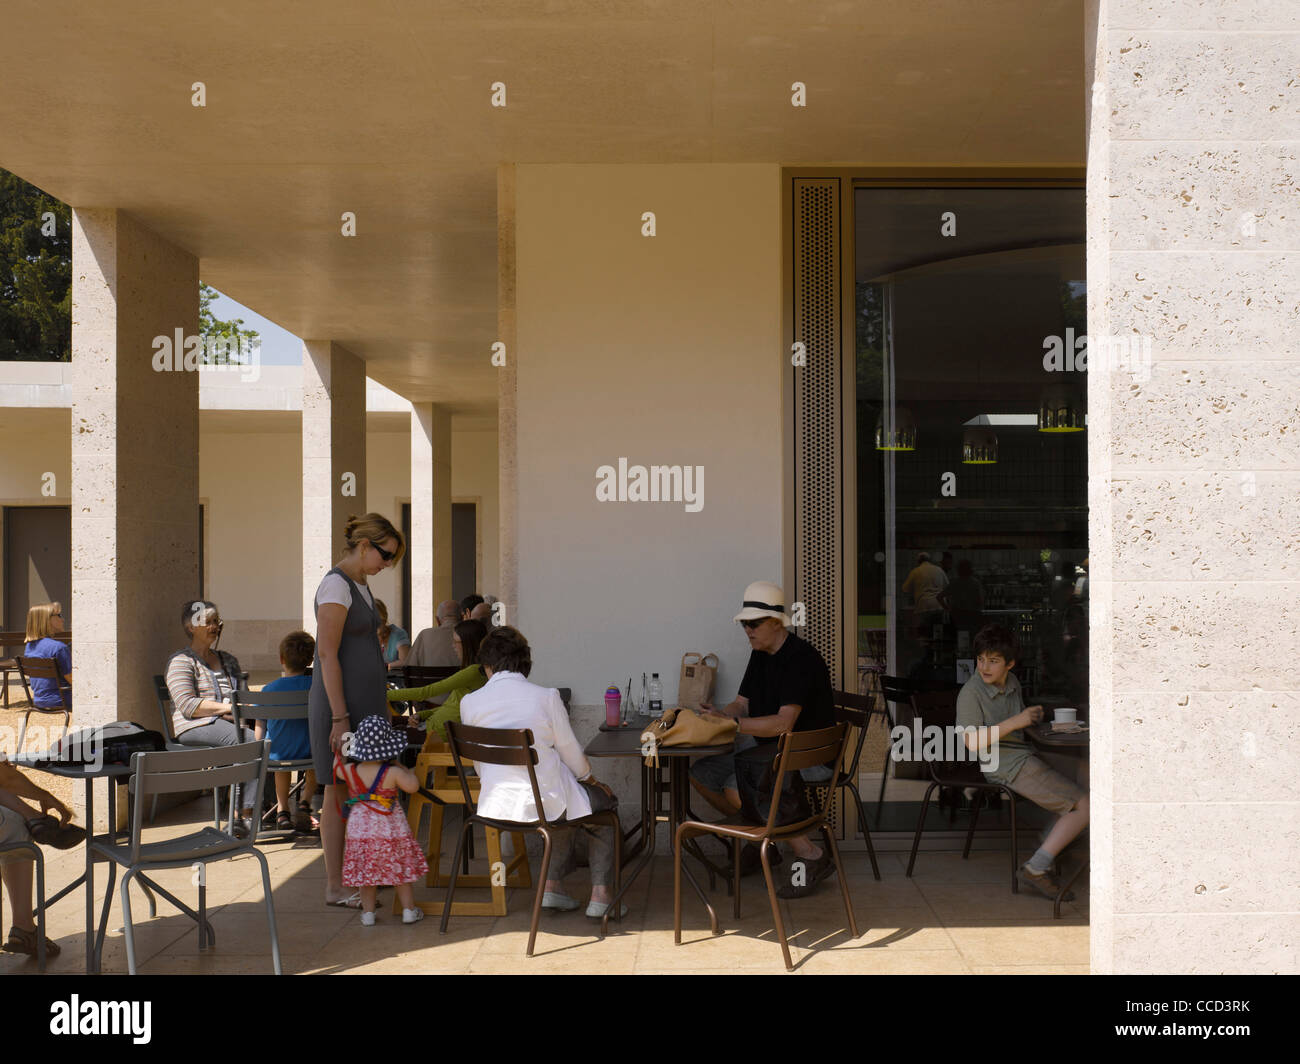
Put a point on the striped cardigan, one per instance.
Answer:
(190, 680)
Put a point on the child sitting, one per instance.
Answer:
(289, 738)
(991, 699)
(380, 849)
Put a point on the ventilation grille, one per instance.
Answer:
(817, 417)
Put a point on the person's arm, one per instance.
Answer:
(19, 786)
(403, 653)
(566, 743)
(64, 658)
(735, 709)
(330, 618)
(183, 687)
(984, 737)
(433, 690)
(402, 778)
(777, 723)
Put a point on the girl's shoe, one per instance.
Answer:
(368, 919)
(412, 916)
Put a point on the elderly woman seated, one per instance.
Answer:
(201, 680)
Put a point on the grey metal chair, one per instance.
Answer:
(252, 706)
(169, 772)
(39, 858)
(164, 698)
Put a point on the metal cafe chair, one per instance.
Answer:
(29, 846)
(514, 747)
(939, 709)
(250, 706)
(894, 691)
(41, 669)
(8, 663)
(164, 700)
(855, 711)
(169, 772)
(795, 751)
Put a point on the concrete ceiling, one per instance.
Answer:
(382, 108)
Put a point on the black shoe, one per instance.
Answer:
(751, 862)
(814, 871)
(47, 831)
(1043, 883)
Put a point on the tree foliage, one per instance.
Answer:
(35, 273)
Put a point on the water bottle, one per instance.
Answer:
(613, 706)
(656, 696)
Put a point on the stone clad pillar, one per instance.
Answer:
(135, 464)
(333, 458)
(430, 546)
(507, 421)
(1194, 484)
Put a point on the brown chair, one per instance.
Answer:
(514, 747)
(42, 669)
(939, 709)
(420, 675)
(8, 659)
(795, 751)
(856, 711)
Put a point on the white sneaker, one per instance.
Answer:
(412, 916)
(367, 919)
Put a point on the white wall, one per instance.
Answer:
(666, 350)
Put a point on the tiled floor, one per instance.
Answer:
(954, 916)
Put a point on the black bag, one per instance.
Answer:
(755, 781)
(111, 744)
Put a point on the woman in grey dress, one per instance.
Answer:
(349, 677)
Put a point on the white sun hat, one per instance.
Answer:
(763, 599)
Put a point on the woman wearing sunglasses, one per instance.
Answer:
(201, 680)
(349, 679)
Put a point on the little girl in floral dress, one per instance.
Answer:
(380, 849)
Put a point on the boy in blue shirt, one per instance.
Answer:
(289, 738)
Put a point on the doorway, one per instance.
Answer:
(37, 561)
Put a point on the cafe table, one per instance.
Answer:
(626, 742)
(113, 773)
(1074, 743)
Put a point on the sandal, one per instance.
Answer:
(283, 821)
(21, 941)
(353, 901)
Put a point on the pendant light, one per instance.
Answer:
(979, 446)
(896, 430)
(1060, 411)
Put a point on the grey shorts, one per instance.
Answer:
(1046, 787)
(718, 773)
(13, 828)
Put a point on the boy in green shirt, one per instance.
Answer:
(991, 700)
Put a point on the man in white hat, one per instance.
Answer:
(786, 687)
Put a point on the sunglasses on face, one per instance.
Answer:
(751, 625)
(387, 555)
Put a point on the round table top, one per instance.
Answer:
(71, 770)
(1042, 735)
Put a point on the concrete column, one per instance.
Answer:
(1194, 485)
(430, 546)
(135, 463)
(507, 423)
(333, 458)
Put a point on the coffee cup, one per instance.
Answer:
(1065, 716)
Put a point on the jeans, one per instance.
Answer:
(600, 843)
(222, 732)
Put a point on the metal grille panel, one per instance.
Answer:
(817, 396)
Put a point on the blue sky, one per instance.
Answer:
(279, 347)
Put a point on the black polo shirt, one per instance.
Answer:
(795, 675)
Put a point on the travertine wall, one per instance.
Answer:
(1193, 226)
(135, 461)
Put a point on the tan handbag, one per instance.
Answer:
(684, 727)
(696, 683)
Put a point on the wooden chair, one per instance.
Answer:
(433, 768)
(855, 711)
(8, 660)
(795, 751)
(939, 709)
(42, 669)
(514, 747)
